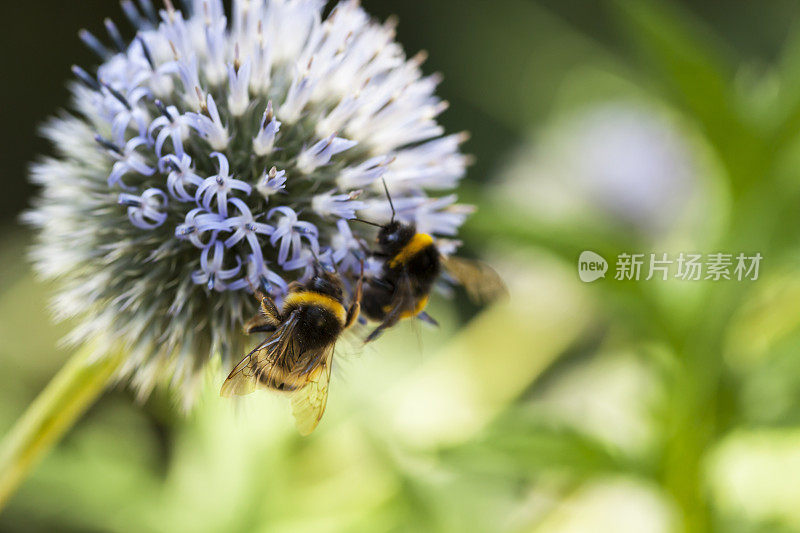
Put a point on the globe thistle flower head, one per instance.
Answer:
(213, 154)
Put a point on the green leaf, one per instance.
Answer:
(518, 444)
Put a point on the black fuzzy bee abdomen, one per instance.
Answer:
(377, 298)
(423, 268)
(414, 269)
(277, 381)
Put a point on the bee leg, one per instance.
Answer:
(389, 320)
(377, 332)
(270, 310)
(259, 323)
(352, 314)
(380, 283)
(425, 317)
(265, 328)
(267, 319)
(404, 303)
(258, 294)
(355, 307)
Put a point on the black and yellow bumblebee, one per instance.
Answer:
(297, 355)
(412, 264)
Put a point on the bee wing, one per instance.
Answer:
(480, 280)
(403, 300)
(244, 378)
(308, 403)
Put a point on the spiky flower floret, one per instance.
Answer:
(209, 155)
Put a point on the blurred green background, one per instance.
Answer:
(650, 406)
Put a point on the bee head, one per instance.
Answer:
(326, 282)
(394, 235)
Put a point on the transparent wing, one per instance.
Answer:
(480, 280)
(308, 403)
(279, 363)
(264, 364)
(405, 303)
(243, 379)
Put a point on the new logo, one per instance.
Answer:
(591, 266)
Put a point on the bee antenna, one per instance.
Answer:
(317, 263)
(367, 222)
(389, 196)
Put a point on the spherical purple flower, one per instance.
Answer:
(219, 151)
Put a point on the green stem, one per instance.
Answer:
(76, 386)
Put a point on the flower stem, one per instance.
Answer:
(76, 386)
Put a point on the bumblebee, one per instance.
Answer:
(297, 355)
(411, 265)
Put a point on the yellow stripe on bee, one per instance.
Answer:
(300, 298)
(421, 304)
(418, 242)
